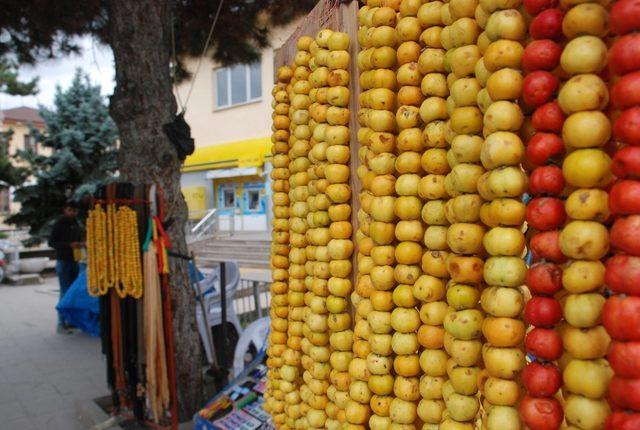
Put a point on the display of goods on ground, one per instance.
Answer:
(456, 214)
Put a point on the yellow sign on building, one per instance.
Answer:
(196, 201)
(245, 153)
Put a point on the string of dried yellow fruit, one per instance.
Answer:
(463, 324)
(359, 411)
(430, 288)
(340, 246)
(585, 240)
(377, 113)
(316, 343)
(505, 183)
(274, 396)
(404, 210)
(298, 154)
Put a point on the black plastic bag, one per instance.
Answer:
(179, 133)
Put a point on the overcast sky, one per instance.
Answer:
(95, 59)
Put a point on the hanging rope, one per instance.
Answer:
(174, 59)
(204, 51)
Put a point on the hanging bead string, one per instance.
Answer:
(113, 251)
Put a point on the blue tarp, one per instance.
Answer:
(83, 311)
(79, 308)
(196, 275)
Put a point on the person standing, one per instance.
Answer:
(66, 237)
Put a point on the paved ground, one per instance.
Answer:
(42, 374)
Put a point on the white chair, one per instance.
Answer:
(255, 334)
(212, 304)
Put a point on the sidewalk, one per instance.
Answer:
(42, 374)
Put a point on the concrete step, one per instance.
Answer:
(249, 250)
(245, 235)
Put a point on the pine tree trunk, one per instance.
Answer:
(142, 102)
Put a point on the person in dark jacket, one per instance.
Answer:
(66, 235)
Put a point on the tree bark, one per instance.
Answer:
(142, 102)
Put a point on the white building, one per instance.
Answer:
(229, 112)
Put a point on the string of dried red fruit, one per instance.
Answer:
(545, 215)
(621, 313)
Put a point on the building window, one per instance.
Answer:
(30, 143)
(253, 200)
(238, 84)
(229, 198)
(5, 200)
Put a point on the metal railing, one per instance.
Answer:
(251, 300)
(207, 225)
(210, 224)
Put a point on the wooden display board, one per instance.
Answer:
(339, 16)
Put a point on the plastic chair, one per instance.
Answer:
(255, 334)
(212, 304)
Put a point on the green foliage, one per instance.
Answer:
(34, 29)
(9, 82)
(9, 174)
(241, 32)
(79, 153)
(12, 85)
